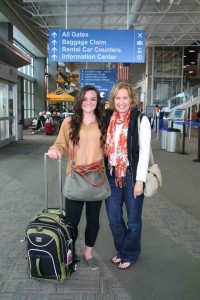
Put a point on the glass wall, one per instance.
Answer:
(171, 72)
(168, 61)
(28, 74)
(27, 70)
(7, 115)
(166, 73)
(29, 107)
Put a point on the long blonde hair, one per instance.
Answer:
(115, 90)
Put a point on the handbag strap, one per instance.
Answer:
(151, 157)
(71, 150)
(84, 170)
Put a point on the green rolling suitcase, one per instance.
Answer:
(50, 243)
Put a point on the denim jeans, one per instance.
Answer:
(127, 238)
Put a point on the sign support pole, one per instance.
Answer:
(66, 6)
(127, 23)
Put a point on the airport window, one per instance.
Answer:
(6, 111)
(166, 73)
(28, 69)
(28, 72)
(168, 61)
(3, 100)
(29, 109)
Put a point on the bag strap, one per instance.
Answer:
(84, 170)
(151, 157)
(71, 150)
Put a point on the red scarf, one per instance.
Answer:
(121, 153)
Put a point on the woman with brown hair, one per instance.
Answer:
(81, 138)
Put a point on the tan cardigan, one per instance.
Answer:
(89, 149)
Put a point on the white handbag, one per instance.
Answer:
(154, 177)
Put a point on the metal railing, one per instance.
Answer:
(185, 96)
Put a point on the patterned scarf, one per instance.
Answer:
(121, 153)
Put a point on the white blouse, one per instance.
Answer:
(144, 149)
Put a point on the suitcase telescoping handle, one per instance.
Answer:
(59, 184)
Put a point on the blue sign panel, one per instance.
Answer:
(85, 45)
(103, 80)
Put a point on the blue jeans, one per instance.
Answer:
(127, 238)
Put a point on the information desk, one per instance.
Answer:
(177, 117)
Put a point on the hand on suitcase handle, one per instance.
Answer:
(54, 153)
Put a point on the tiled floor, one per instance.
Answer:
(169, 267)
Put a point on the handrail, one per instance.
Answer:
(183, 97)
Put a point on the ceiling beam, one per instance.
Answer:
(112, 14)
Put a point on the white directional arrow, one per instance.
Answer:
(54, 49)
(54, 42)
(54, 34)
(54, 56)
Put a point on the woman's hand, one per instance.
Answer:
(138, 188)
(119, 182)
(54, 154)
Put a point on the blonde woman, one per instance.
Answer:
(127, 154)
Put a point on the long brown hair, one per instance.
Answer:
(77, 117)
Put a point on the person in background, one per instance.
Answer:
(157, 115)
(81, 138)
(44, 114)
(49, 118)
(40, 122)
(127, 154)
(42, 118)
(55, 118)
(34, 122)
(65, 113)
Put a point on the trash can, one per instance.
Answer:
(164, 138)
(173, 140)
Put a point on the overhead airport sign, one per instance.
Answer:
(103, 80)
(84, 45)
